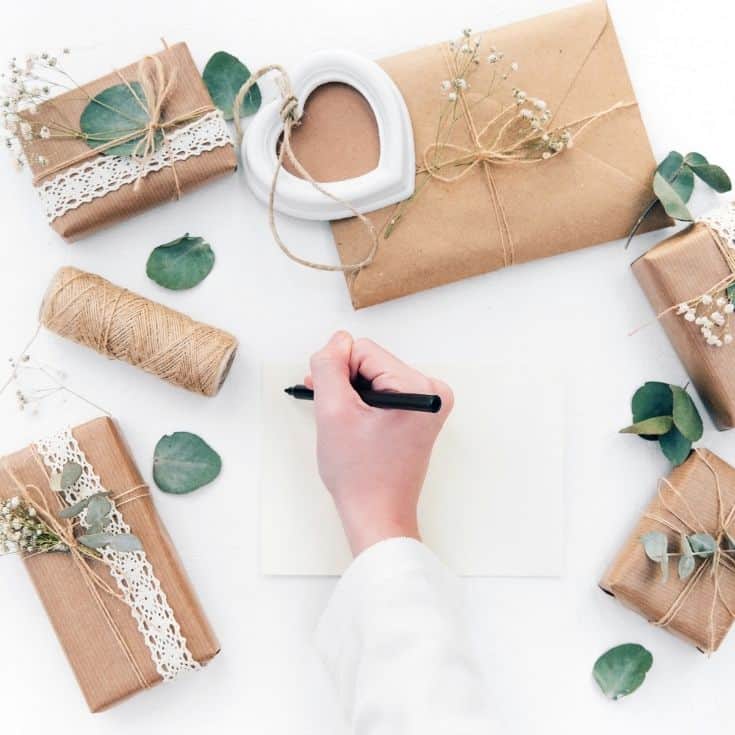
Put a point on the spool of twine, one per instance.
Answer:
(122, 325)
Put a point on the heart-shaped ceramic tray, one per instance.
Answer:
(391, 181)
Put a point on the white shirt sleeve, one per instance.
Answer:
(393, 639)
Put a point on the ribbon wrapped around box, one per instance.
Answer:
(489, 214)
(697, 497)
(129, 620)
(82, 191)
(693, 269)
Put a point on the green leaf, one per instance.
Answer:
(713, 176)
(652, 399)
(731, 293)
(670, 199)
(676, 173)
(70, 473)
(675, 446)
(671, 165)
(653, 426)
(656, 545)
(686, 560)
(686, 416)
(181, 263)
(98, 509)
(74, 510)
(114, 113)
(223, 75)
(183, 462)
(702, 544)
(621, 670)
(117, 541)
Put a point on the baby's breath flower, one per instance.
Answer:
(42, 161)
(44, 132)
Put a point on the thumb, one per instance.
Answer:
(330, 372)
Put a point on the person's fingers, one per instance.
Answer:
(330, 374)
(308, 382)
(384, 370)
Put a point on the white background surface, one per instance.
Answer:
(537, 639)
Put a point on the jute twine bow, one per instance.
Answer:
(716, 563)
(157, 85)
(464, 159)
(81, 557)
(122, 325)
(291, 117)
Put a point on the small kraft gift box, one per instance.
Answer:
(689, 279)
(162, 137)
(137, 607)
(677, 568)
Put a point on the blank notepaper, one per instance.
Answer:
(493, 495)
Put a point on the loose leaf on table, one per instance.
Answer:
(183, 462)
(117, 112)
(621, 670)
(648, 427)
(670, 199)
(675, 446)
(713, 176)
(675, 173)
(702, 544)
(181, 263)
(686, 417)
(650, 400)
(223, 76)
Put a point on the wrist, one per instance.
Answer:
(367, 529)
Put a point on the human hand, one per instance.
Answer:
(372, 460)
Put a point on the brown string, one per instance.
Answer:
(122, 325)
(715, 563)
(291, 117)
(64, 529)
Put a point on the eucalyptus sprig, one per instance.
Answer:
(673, 184)
(692, 547)
(667, 414)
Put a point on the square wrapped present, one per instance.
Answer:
(697, 498)
(481, 209)
(686, 279)
(82, 191)
(138, 608)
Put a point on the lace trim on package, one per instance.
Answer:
(140, 588)
(96, 178)
(722, 221)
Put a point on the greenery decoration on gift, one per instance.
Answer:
(666, 413)
(673, 185)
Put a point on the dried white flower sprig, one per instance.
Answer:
(22, 530)
(712, 314)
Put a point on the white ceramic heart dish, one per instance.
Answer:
(391, 181)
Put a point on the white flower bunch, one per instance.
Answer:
(21, 530)
(712, 320)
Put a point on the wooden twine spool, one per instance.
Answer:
(122, 325)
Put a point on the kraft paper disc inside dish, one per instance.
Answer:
(363, 147)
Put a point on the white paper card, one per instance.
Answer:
(493, 495)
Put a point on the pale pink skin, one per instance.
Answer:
(373, 461)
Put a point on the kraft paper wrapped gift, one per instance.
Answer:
(697, 609)
(592, 193)
(179, 165)
(685, 266)
(110, 658)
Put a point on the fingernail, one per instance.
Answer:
(341, 337)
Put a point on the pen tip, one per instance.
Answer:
(288, 391)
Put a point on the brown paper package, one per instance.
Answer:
(104, 674)
(636, 581)
(683, 267)
(591, 194)
(158, 186)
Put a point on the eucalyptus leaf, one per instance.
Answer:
(686, 416)
(183, 462)
(181, 263)
(70, 473)
(98, 509)
(674, 170)
(117, 541)
(731, 293)
(74, 510)
(713, 176)
(686, 560)
(117, 112)
(621, 670)
(224, 75)
(702, 544)
(652, 399)
(670, 199)
(656, 545)
(653, 426)
(675, 446)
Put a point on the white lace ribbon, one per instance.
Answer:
(722, 221)
(99, 176)
(136, 580)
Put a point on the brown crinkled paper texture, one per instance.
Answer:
(636, 581)
(104, 674)
(683, 267)
(591, 194)
(158, 186)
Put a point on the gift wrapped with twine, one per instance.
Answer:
(687, 279)
(122, 325)
(126, 621)
(181, 143)
(698, 497)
